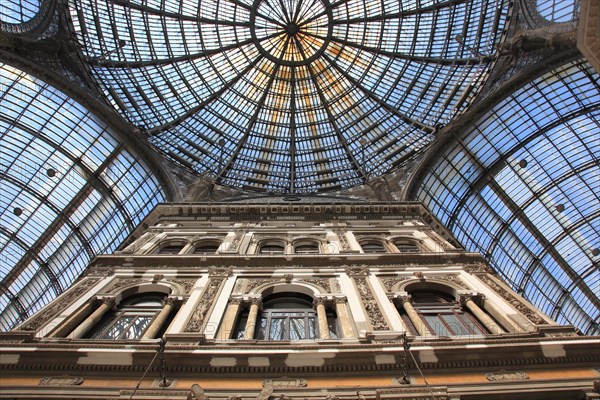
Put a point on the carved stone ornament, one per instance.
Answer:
(64, 302)
(361, 270)
(322, 283)
(197, 320)
(121, 283)
(342, 239)
(224, 272)
(389, 283)
(376, 318)
(452, 279)
(516, 303)
(254, 283)
(288, 278)
(266, 391)
(471, 268)
(100, 271)
(64, 380)
(187, 284)
(285, 382)
(138, 244)
(503, 375)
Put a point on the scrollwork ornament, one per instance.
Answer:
(65, 301)
(197, 320)
(374, 314)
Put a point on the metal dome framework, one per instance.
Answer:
(71, 189)
(290, 96)
(522, 187)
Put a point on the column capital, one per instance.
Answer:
(253, 300)
(110, 301)
(400, 297)
(477, 298)
(171, 301)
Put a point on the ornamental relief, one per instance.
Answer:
(374, 314)
(516, 303)
(186, 284)
(122, 283)
(254, 283)
(451, 279)
(64, 302)
(389, 283)
(341, 235)
(206, 300)
(321, 283)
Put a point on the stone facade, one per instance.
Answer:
(367, 299)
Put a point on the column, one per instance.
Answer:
(413, 315)
(322, 318)
(345, 322)
(466, 300)
(252, 315)
(501, 317)
(70, 323)
(107, 304)
(160, 319)
(229, 319)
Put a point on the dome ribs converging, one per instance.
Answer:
(290, 96)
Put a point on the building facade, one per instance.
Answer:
(294, 298)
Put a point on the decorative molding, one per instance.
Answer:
(266, 391)
(139, 243)
(451, 279)
(320, 282)
(504, 375)
(341, 235)
(254, 283)
(389, 283)
(60, 304)
(100, 270)
(476, 267)
(121, 283)
(64, 380)
(196, 322)
(187, 284)
(374, 314)
(357, 271)
(284, 381)
(220, 272)
(514, 301)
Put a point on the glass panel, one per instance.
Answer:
(277, 329)
(261, 328)
(534, 218)
(138, 327)
(117, 328)
(297, 329)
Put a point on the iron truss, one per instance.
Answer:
(289, 96)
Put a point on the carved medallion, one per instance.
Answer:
(64, 380)
(504, 375)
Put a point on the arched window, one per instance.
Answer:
(131, 319)
(442, 314)
(372, 246)
(271, 248)
(406, 246)
(306, 248)
(287, 316)
(171, 248)
(206, 247)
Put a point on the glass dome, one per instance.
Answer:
(522, 187)
(291, 96)
(70, 189)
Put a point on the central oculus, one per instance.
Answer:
(293, 32)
